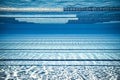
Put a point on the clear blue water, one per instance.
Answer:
(62, 44)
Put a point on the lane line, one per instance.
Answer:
(13, 9)
(42, 16)
(59, 59)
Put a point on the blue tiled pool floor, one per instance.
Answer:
(60, 50)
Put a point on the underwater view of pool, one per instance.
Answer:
(59, 40)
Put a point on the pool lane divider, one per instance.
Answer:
(14, 9)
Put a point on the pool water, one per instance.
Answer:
(59, 40)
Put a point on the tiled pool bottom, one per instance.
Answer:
(49, 57)
(60, 50)
(59, 72)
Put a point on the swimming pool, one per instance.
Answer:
(59, 40)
